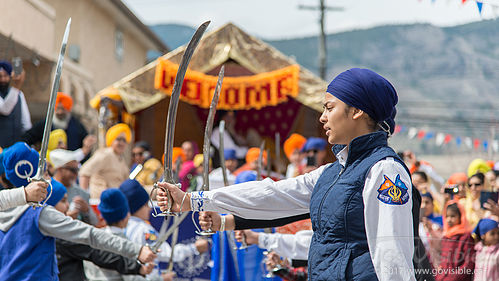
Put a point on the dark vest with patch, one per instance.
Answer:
(339, 248)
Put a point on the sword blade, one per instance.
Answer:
(209, 128)
(259, 162)
(174, 242)
(269, 164)
(162, 238)
(221, 152)
(172, 109)
(278, 152)
(51, 105)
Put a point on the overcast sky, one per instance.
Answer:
(276, 19)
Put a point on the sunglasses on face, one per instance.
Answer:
(121, 139)
(138, 153)
(475, 184)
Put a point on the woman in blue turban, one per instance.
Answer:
(363, 208)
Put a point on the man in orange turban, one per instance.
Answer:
(292, 148)
(63, 119)
(251, 160)
(107, 168)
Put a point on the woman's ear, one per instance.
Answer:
(357, 113)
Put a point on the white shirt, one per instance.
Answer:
(229, 143)
(217, 179)
(10, 101)
(389, 228)
(291, 246)
(142, 233)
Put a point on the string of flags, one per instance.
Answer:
(442, 139)
(480, 3)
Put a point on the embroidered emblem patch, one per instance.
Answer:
(150, 236)
(393, 193)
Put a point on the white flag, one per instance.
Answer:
(412, 132)
(439, 140)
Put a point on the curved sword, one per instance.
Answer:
(170, 129)
(207, 143)
(172, 110)
(209, 128)
(259, 163)
(50, 111)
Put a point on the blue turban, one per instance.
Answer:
(135, 194)
(484, 226)
(58, 191)
(20, 162)
(113, 205)
(230, 154)
(314, 144)
(245, 177)
(368, 91)
(5, 65)
(427, 194)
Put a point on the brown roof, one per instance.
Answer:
(227, 42)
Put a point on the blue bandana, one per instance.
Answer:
(314, 144)
(245, 176)
(20, 162)
(230, 154)
(484, 226)
(113, 205)
(58, 191)
(5, 65)
(368, 91)
(135, 194)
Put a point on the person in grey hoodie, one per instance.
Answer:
(27, 243)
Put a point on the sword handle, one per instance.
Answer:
(168, 211)
(42, 203)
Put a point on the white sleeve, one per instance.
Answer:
(265, 199)
(25, 116)
(388, 218)
(10, 198)
(291, 246)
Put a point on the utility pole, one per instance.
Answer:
(322, 36)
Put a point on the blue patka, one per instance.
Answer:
(393, 193)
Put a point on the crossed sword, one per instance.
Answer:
(169, 134)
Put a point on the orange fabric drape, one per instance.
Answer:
(237, 93)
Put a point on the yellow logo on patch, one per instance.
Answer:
(393, 193)
(151, 236)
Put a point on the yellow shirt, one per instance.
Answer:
(106, 169)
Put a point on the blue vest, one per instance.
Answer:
(339, 249)
(11, 126)
(25, 253)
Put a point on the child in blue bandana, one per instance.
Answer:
(487, 250)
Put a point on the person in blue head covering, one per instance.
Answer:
(18, 163)
(315, 148)
(15, 118)
(216, 176)
(34, 229)
(487, 250)
(363, 207)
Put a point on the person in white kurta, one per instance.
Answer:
(389, 225)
